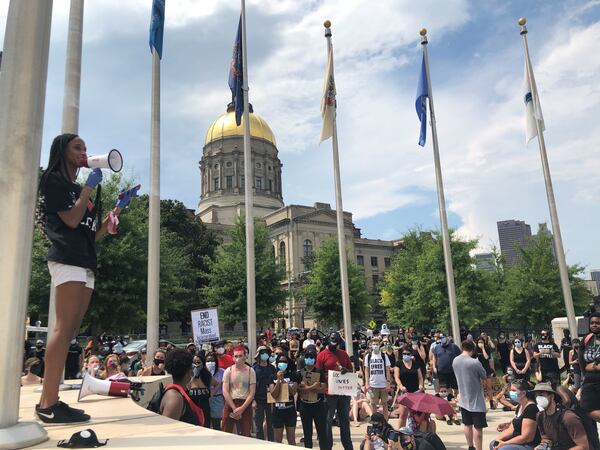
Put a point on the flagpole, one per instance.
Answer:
(22, 99)
(441, 200)
(562, 264)
(153, 300)
(70, 121)
(248, 182)
(339, 209)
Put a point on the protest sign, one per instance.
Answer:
(338, 384)
(205, 326)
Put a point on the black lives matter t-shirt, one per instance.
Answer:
(548, 362)
(76, 247)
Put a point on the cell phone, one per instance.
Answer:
(370, 431)
(393, 435)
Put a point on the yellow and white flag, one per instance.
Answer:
(533, 109)
(328, 101)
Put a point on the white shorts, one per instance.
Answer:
(63, 273)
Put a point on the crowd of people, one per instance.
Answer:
(286, 381)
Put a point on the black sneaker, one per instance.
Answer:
(60, 413)
(72, 410)
(449, 421)
(457, 422)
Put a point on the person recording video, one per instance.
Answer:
(73, 224)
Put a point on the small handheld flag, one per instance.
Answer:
(421, 102)
(236, 76)
(328, 102)
(157, 25)
(533, 109)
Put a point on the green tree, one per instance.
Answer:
(323, 292)
(226, 276)
(533, 294)
(119, 299)
(414, 290)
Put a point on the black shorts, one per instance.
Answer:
(477, 419)
(284, 417)
(448, 380)
(590, 392)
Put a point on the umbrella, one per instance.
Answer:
(427, 403)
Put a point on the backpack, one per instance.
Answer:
(589, 425)
(432, 438)
(154, 404)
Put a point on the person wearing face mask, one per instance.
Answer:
(482, 353)
(443, 357)
(503, 350)
(311, 401)
(224, 360)
(265, 373)
(200, 385)
(333, 358)
(520, 360)
(408, 379)
(112, 368)
(40, 353)
(559, 427)
(589, 361)
(547, 354)
(311, 338)
(377, 376)
(157, 367)
(239, 388)
(216, 400)
(284, 411)
(74, 361)
(522, 432)
(573, 362)
(92, 366)
(31, 368)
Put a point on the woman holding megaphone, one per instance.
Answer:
(73, 224)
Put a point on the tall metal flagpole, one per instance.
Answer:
(441, 200)
(152, 322)
(70, 116)
(339, 210)
(562, 264)
(248, 182)
(22, 98)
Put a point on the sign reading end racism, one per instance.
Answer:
(205, 325)
(338, 384)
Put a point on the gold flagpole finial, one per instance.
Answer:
(327, 24)
(522, 21)
(423, 31)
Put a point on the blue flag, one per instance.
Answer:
(421, 103)
(236, 76)
(157, 25)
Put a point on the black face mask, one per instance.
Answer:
(82, 439)
(158, 361)
(332, 347)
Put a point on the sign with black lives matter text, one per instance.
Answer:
(205, 325)
(342, 384)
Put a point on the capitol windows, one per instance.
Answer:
(374, 261)
(229, 182)
(216, 184)
(360, 260)
(387, 262)
(270, 184)
(308, 248)
(258, 184)
(282, 253)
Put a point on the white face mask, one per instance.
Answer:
(375, 348)
(220, 350)
(542, 402)
(211, 366)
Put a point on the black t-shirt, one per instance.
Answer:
(409, 377)
(290, 378)
(530, 412)
(548, 362)
(73, 353)
(504, 350)
(75, 247)
(264, 376)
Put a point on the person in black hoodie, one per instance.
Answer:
(265, 372)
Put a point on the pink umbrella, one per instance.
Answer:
(427, 403)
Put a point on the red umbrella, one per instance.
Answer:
(427, 403)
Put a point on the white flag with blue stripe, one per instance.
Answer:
(533, 109)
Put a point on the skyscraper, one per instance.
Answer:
(513, 234)
(595, 275)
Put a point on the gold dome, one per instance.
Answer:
(225, 126)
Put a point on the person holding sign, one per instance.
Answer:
(311, 402)
(283, 389)
(333, 358)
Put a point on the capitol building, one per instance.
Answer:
(295, 230)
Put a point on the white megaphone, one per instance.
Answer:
(111, 160)
(92, 385)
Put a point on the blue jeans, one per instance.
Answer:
(513, 447)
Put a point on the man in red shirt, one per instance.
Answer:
(223, 359)
(333, 358)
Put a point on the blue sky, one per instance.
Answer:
(388, 181)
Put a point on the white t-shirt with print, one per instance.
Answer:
(377, 369)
